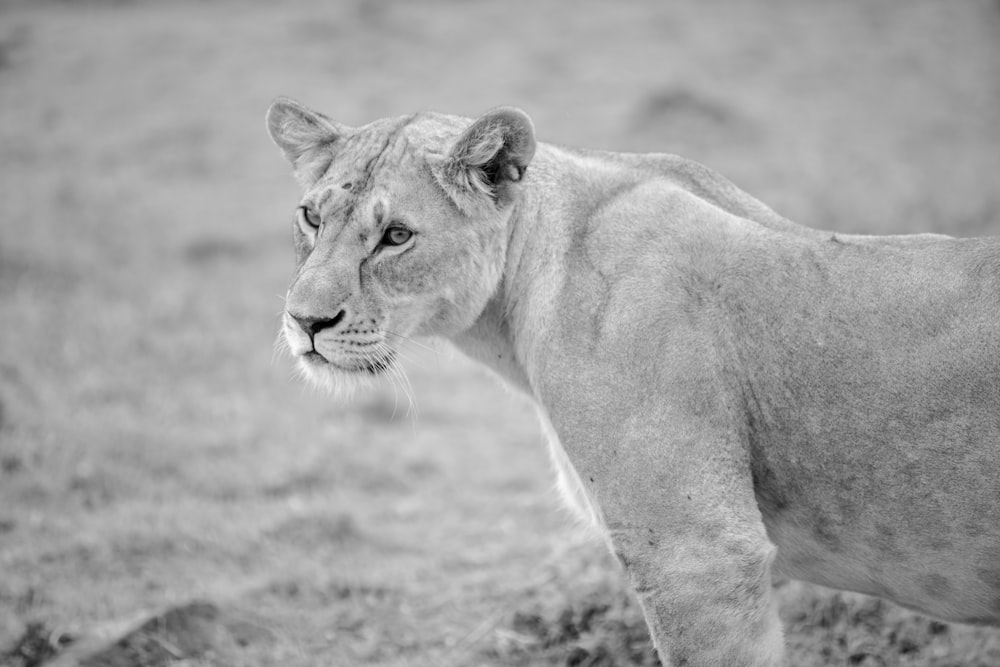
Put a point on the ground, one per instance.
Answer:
(162, 472)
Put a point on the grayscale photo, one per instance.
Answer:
(375, 333)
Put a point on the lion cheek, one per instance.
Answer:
(455, 310)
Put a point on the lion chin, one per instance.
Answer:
(338, 380)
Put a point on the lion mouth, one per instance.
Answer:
(314, 357)
(370, 364)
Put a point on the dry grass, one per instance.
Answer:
(150, 451)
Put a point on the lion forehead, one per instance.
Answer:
(388, 150)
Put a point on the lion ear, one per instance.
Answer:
(306, 137)
(488, 161)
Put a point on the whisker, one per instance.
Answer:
(398, 374)
(379, 357)
(412, 340)
(280, 347)
(392, 383)
(410, 359)
(412, 409)
(416, 356)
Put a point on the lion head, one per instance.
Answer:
(401, 230)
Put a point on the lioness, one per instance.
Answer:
(727, 394)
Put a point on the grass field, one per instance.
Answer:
(153, 452)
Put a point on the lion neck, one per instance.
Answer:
(509, 335)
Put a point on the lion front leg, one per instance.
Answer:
(682, 518)
(706, 594)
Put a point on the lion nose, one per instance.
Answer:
(313, 325)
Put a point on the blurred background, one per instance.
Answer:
(154, 452)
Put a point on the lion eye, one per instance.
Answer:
(309, 217)
(396, 236)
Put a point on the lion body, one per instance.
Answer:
(728, 395)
